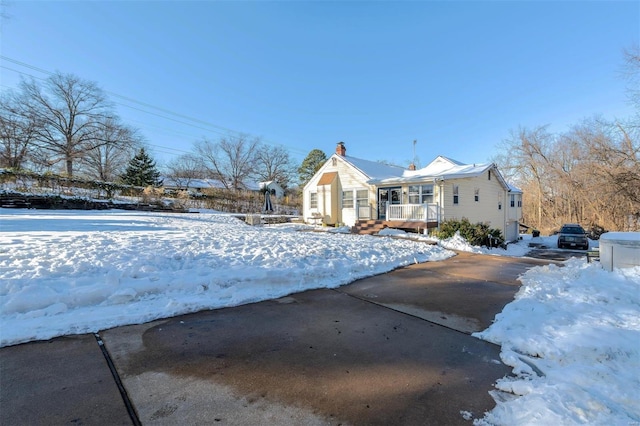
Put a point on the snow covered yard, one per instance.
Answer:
(69, 272)
(572, 334)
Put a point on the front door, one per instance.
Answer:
(386, 196)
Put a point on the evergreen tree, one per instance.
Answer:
(310, 165)
(142, 171)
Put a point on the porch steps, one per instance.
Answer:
(368, 227)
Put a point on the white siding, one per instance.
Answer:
(330, 205)
(491, 194)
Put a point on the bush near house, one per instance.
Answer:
(478, 234)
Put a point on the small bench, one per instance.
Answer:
(593, 255)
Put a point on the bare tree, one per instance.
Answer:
(17, 131)
(184, 169)
(231, 160)
(589, 174)
(528, 151)
(631, 71)
(274, 163)
(72, 113)
(107, 161)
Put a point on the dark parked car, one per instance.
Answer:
(573, 235)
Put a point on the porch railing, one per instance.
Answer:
(414, 212)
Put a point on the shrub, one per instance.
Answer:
(479, 234)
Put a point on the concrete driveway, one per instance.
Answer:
(389, 349)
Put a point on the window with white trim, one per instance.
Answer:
(347, 199)
(426, 194)
(456, 198)
(362, 197)
(420, 194)
(513, 200)
(476, 195)
(414, 194)
(313, 200)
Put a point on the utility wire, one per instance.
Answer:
(210, 127)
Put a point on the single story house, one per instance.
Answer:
(348, 190)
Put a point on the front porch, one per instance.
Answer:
(426, 213)
(416, 217)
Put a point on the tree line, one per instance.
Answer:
(68, 124)
(589, 174)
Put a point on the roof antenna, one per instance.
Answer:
(412, 166)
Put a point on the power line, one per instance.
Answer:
(210, 127)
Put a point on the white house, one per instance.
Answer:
(348, 190)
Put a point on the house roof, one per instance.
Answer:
(440, 168)
(373, 169)
(514, 189)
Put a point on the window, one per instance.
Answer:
(489, 175)
(313, 200)
(420, 194)
(519, 200)
(334, 162)
(347, 199)
(362, 197)
(476, 196)
(455, 194)
(414, 194)
(427, 194)
(513, 200)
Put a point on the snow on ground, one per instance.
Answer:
(65, 272)
(516, 249)
(572, 334)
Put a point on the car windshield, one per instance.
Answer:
(572, 230)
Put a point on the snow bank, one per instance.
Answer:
(572, 336)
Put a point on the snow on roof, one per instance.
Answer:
(373, 169)
(514, 188)
(207, 183)
(191, 183)
(440, 168)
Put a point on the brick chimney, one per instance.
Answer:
(412, 166)
(341, 149)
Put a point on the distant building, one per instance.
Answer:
(197, 185)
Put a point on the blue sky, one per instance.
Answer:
(455, 76)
